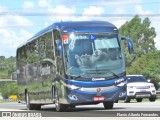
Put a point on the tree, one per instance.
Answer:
(7, 66)
(147, 65)
(9, 89)
(142, 35)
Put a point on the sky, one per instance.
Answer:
(20, 20)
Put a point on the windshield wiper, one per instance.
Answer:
(115, 74)
(79, 76)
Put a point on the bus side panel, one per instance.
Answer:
(46, 68)
(28, 82)
(48, 74)
(36, 70)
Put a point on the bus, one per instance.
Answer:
(72, 63)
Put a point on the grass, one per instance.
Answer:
(6, 80)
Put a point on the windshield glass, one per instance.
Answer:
(93, 55)
(136, 79)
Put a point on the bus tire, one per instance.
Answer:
(28, 104)
(127, 100)
(108, 104)
(37, 107)
(71, 107)
(53, 94)
(31, 106)
(59, 107)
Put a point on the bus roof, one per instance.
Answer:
(76, 26)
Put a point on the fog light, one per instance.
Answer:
(153, 91)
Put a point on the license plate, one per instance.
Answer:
(98, 98)
(142, 90)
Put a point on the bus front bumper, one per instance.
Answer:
(90, 96)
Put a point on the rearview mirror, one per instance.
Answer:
(130, 44)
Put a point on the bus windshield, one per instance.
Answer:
(91, 55)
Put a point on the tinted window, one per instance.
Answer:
(136, 79)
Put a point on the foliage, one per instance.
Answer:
(148, 65)
(3, 83)
(142, 35)
(7, 66)
(146, 59)
(9, 89)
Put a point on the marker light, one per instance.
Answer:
(65, 39)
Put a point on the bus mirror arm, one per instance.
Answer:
(130, 44)
(59, 48)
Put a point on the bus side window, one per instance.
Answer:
(57, 37)
(49, 45)
(58, 60)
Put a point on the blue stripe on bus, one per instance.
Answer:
(93, 93)
(101, 83)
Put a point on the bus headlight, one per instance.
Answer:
(73, 87)
(121, 84)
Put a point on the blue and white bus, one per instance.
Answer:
(72, 63)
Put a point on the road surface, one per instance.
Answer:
(119, 110)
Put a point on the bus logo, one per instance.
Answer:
(92, 37)
(99, 90)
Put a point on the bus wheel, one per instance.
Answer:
(127, 100)
(71, 107)
(29, 106)
(59, 107)
(37, 107)
(53, 94)
(108, 105)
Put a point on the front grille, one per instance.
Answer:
(143, 87)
